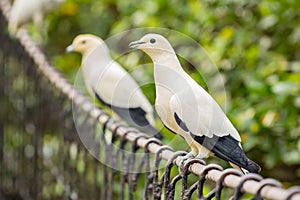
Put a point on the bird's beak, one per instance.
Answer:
(136, 44)
(70, 48)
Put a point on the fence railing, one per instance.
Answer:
(43, 157)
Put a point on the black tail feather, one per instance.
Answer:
(252, 167)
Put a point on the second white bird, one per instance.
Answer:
(107, 81)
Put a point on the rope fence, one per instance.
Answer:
(43, 157)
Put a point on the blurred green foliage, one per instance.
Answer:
(255, 45)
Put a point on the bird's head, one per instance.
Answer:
(85, 44)
(155, 45)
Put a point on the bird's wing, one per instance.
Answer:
(208, 125)
(129, 114)
(115, 86)
(229, 149)
(200, 113)
(135, 116)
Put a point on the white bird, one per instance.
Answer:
(107, 81)
(187, 109)
(26, 11)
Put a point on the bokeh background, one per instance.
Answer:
(255, 46)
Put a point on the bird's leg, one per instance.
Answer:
(200, 157)
(109, 123)
(203, 152)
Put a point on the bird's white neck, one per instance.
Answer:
(162, 64)
(168, 74)
(95, 61)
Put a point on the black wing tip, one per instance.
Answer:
(252, 167)
(150, 130)
(158, 136)
(154, 132)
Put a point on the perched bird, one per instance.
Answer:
(23, 12)
(187, 109)
(107, 81)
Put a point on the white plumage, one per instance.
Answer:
(107, 81)
(26, 11)
(187, 109)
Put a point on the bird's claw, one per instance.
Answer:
(182, 159)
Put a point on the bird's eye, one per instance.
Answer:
(152, 41)
(83, 42)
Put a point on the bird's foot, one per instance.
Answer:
(200, 157)
(182, 159)
(108, 134)
(109, 123)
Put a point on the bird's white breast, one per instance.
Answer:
(167, 83)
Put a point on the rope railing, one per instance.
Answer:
(157, 183)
